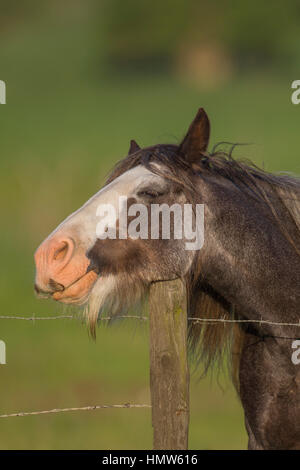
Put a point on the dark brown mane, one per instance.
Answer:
(280, 196)
(276, 191)
(244, 173)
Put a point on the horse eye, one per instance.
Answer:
(149, 193)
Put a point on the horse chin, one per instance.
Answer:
(113, 294)
(79, 291)
(100, 298)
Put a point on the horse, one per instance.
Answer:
(247, 271)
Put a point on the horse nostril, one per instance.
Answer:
(51, 258)
(61, 252)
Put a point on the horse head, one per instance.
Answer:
(136, 230)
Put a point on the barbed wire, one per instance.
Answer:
(225, 320)
(82, 408)
(143, 318)
(137, 317)
(59, 317)
(32, 318)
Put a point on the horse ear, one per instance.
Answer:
(196, 140)
(134, 147)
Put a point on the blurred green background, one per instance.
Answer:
(84, 77)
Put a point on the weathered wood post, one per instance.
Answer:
(169, 373)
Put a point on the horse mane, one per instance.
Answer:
(279, 194)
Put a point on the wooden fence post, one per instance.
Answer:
(169, 373)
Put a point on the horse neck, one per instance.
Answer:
(247, 258)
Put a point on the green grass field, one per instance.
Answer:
(64, 126)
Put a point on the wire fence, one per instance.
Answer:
(32, 317)
(143, 318)
(82, 408)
